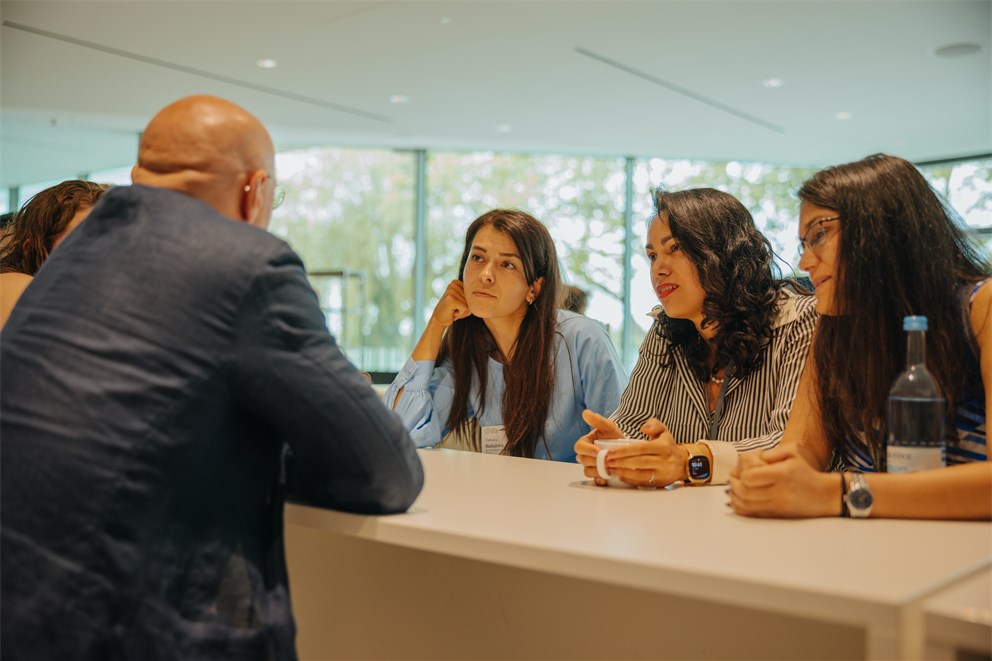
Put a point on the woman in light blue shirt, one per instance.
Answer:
(499, 368)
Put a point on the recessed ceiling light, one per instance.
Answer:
(399, 99)
(772, 83)
(957, 50)
(445, 20)
(267, 63)
(503, 128)
(843, 116)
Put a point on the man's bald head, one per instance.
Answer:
(213, 150)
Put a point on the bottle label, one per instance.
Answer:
(903, 459)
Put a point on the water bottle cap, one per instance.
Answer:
(914, 324)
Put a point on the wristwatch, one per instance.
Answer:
(859, 499)
(697, 467)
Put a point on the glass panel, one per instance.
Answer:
(580, 199)
(350, 215)
(4, 200)
(114, 177)
(967, 186)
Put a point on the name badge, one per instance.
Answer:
(493, 439)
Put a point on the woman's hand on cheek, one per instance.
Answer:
(452, 306)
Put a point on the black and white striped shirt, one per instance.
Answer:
(756, 408)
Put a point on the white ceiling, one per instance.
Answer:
(676, 79)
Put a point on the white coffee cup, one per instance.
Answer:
(604, 445)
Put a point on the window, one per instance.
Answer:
(349, 213)
(579, 199)
(967, 187)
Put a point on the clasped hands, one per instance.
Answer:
(657, 462)
(782, 483)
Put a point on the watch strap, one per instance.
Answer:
(844, 512)
(724, 460)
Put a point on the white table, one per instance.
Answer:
(959, 618)
(512, 558)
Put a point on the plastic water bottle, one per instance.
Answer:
(916, 409)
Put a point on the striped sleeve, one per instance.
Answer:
(646, 380)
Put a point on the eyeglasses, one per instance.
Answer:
(815, 236)
(278, 196)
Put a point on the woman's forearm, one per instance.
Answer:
(956, 492)
(429, 344)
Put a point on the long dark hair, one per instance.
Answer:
(529, 376)
(902, 252)
(734, 262)
(41, 220)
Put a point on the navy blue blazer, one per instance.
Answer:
(150, 378)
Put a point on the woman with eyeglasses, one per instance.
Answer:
(499, 368)
(879, 245)
(718, 369)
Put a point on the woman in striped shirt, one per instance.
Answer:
(880, 245)
(718, 370)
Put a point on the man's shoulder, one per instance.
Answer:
(200, 229)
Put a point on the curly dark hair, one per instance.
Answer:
(735, 265)
(35, 228)
(902, 251)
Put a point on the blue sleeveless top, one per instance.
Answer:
(967, 439)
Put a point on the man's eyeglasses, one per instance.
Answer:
(815, 236)
(278, 196)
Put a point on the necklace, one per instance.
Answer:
(716, 380)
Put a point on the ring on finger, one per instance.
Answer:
(651, 480)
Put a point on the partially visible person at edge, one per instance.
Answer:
(499, 367)
(150, 379)
(36, 230)
(574, 299)
(718, 369)
(880, 245)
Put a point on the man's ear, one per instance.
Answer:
(253, 198)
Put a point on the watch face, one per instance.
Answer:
(699, 467)
(860, 499)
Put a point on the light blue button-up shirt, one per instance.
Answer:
(588, 374)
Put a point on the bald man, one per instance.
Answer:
(166, 375)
